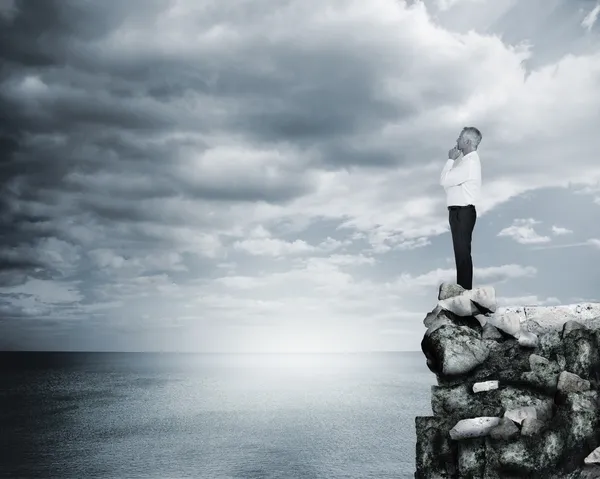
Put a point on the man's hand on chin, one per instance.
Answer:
(454, 153)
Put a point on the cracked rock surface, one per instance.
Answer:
(517, 391)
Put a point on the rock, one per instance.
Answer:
(531, 426)
(546, 382)
(528, 340)
(507, 320)
(571, 383)
(518, 415)
(580, 348)
(506, 429)
(512, 398)
(537, 363)
(594, 457)
(435, 451)
(544, 374)
(454, 350)
(484, 298)
(460, 305)
(432, 316)
(473, 427)
(482, 318)
(542, 319)
(458, 402)
(490, 332)
(448, 290)
(571, 326)
(471, 457)
(437, 323)
(587, 472)
(485, 386)
(489, 382)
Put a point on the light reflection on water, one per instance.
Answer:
(221, 416)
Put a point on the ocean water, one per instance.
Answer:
(211, 416)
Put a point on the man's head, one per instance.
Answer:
(468, 140)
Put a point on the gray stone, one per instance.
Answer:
(512, 398)
(506, 429)
(471, 458)
(435, 451)
(484, 298)
(485, 386)
(580, 348)
(546, 382)
(525, 456)
(586, 472)
(454, 350)
(578, 418)
(571, 326)
(507, 320)
(542, 319)
(538, 363)
(473, 427)
(594, 457)
(479, 403)
(490, 332)
(459, 403)
(437, 323)
(562, 362)
(571, 383)
(460, 305)
(448, 290)
(528, 340)
(519, 414)
(432, 316)
(531, 426)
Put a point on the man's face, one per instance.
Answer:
(460, 142)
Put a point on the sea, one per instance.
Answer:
(211, 416)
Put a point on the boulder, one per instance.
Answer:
(528, 340)
(517, 391)
(507, 320)
(571, 383)
(519, 414)
(484, 298)
(506, 429)
(473, 427)
(531, 426)
(454, 350)
(449, 290)
(490, 332)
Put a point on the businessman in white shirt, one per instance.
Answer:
(461, 178)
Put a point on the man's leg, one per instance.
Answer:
(462, 223)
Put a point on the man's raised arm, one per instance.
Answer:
(464, 171)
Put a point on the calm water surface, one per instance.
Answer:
(211, 416)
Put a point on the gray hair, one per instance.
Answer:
(473, 134)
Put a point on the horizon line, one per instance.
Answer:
(203, 352)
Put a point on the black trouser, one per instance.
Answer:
(462, 221)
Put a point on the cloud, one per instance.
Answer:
(558, 231)
(200, 150)
(522, 232)
(444, 5)
(590, 19)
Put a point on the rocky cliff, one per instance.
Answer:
(518, 389)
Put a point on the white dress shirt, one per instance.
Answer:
(461, 179)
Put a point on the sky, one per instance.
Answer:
(263, 175)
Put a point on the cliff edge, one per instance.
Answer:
(518, 389)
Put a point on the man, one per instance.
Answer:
(461, 178)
